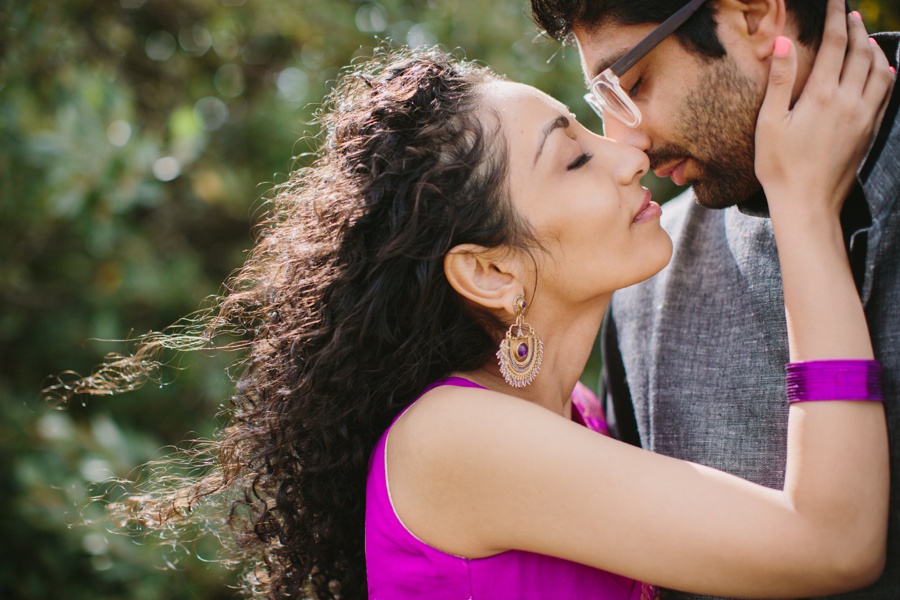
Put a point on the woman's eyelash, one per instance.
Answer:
(580, 161)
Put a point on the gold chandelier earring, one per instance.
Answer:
(521, 351)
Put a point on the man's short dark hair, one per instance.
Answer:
(558, 17)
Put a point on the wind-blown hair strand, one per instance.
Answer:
(350, 316)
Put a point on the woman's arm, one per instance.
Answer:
(837, 469)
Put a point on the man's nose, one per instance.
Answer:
(619, 131)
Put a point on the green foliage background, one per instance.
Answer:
(138, 139)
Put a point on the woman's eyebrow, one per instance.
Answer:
(560, 122)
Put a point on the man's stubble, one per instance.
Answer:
(716, 128)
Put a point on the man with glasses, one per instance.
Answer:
(694, 358)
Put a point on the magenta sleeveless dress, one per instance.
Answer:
(399, 566)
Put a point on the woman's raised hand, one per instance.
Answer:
(807, 155)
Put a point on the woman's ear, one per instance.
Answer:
(483, 276)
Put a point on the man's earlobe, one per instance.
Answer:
(765, 22)
(482, 276)
(756, 22)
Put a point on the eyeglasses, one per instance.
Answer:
(606, 94)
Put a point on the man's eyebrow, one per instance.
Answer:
(603, 64)
(560, 122)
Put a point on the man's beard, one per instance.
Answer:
(717, 125)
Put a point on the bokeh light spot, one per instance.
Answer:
(118, 133)
(420, 34)
(229, 81)
(95, 543)
(166, 168)
(312, 57)
(160, 45)
(212, 112)
(293, 84)
(225, 44)
(195, 40)
(95, 469)
(371, 18)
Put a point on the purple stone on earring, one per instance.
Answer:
(521, 351)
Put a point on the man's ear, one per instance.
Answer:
(483, 276)
(755, 22)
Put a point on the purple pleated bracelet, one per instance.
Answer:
(814, 380)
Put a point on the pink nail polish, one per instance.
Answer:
(893, 70)
(856, 14)
(873, 42)
(782, 46)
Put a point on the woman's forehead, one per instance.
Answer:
(507, 96)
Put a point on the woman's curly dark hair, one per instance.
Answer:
(350, 315)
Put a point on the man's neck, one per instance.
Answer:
(806, 58)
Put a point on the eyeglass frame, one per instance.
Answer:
(609, 78)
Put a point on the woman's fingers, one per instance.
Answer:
(860, 56)
(782, 74)
(775, 124)
(830, 58)
(881, 80)
(858, 93)
(832, 122)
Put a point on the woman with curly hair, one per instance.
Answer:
(420, 304)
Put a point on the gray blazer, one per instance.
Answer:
(694, 358)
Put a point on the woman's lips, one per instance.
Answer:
(650, 210)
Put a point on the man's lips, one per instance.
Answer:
(674, 170)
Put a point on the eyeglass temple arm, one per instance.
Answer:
(656, 36)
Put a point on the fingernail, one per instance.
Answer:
(873, 42)
(782, 46)
(856, 14)
(893, 70)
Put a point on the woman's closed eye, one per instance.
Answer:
(580, 161)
